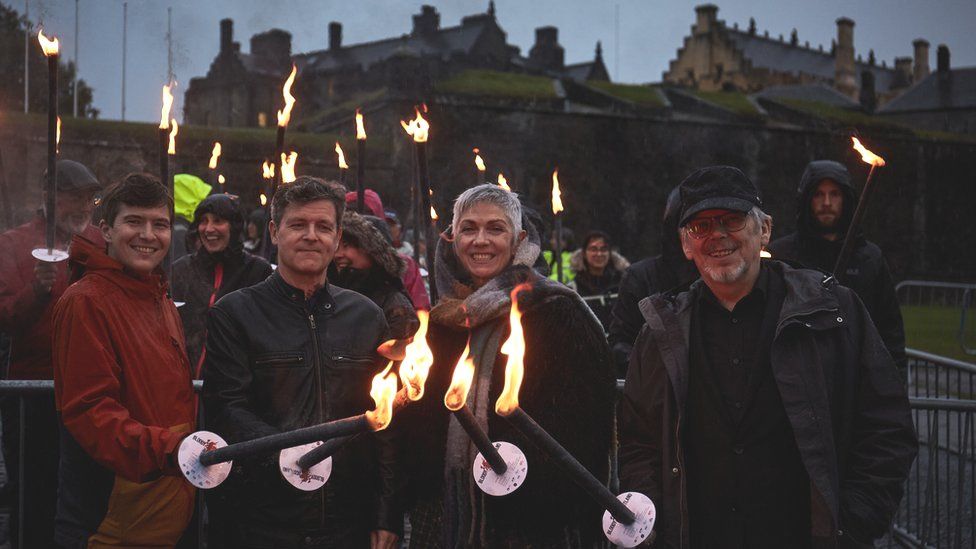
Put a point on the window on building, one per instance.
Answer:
(263, 119)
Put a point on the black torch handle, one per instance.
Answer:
(52, 150)
(558, 248)
(361, 176)
(431, 231)
(481, 440)
(570, 465)
(279, 441)
(329, 448)
(845, 252)
(279, 148)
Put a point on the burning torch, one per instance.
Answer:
(343, 167)
(479, 163)
(557, 209)
(284, 116)
(502, 182)
(268, 174)
(288, 161)
(48, 253)
(206, 459)
(415, 363)
(214, 159)
(163, 135)
(360, 163)
(845, 252)
(629, 517)
(494, 473)
(419, 128)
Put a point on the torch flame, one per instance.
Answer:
(867, 156)
(57, 137)
(457, 393)
(557, 201)
(288, 167)
(433, 214)
(221, 179)
(167, 105)
(50, 47)
(264, 199)
(503, 183)
(172, 137)
(215, 155)
(417, 128)
(360, 128)
(382, 391)
(342, 157)
(514, 349)
(478, 161)
(284, 115)
(765, 254)
(267, 170)
(419, 358)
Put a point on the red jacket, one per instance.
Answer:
(121, 376)
(25, 315)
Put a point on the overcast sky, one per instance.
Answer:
(650, 32)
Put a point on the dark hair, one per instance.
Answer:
(141, 190)
(593, 235)
(307, 189)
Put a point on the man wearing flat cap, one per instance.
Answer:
(29, 288)
(761, 408)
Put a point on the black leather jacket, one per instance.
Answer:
(275, 362)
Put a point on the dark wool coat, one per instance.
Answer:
(840, 390)
(382, 283)
(568, 389)
(867, 272)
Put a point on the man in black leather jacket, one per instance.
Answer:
(295, 351)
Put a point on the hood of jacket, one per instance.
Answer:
(577, 261)
(817, 171)
(366, 235)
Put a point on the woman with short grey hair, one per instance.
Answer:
(568, 388)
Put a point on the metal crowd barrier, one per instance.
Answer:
(938, 507)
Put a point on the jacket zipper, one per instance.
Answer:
(681, 483)
(318, 394)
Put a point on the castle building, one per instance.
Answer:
(716, 57)
(244, 89)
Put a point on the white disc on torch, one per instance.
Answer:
(199, 475)
(494, 484)
(41, 254)
(310, 479)
(634, 534)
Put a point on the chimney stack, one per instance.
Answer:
(546, 54)
(921, 69)
(427, 21)
(903, 72)
(226, 36)
(942, 59)
(868, 98)
(335, 36)
(706, 14)
(844, 58)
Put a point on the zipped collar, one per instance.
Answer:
(321, 297)
(86, 257)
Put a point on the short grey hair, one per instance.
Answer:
(492, 194)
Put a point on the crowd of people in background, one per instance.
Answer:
(281, 311)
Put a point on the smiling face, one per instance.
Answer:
(349, 256)
(139, 237)
(214, 233)
(724, 257)
(827, 205)
(485, 241)
(307, 239)
(597, 253)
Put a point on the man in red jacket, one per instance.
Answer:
(122, 381)
(28, 291)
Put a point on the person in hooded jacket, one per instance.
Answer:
(825, 203)
(367, 263)
(647, 277)
(218, 267)
(597, 269)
